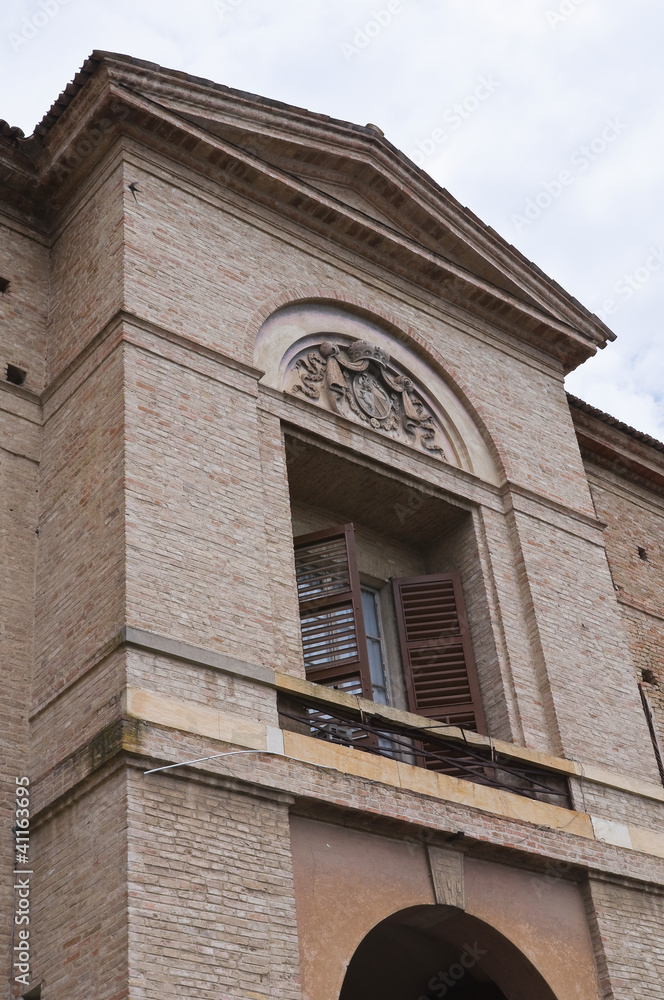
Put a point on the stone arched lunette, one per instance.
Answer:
(342, 357)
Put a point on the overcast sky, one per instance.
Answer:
(545, 117)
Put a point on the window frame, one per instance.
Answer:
(380, 638)
(452, 664)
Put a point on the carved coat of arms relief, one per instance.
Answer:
(360, 382)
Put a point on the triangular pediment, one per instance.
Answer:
(344, 181)
(370, 188)
(347, 188)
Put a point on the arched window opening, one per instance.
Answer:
(436, 952)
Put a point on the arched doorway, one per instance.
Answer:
(436, 952)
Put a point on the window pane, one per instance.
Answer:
(376, 662)
(374, 646)
(370, 614)
(380, 695)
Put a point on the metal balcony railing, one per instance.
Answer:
(424, 747)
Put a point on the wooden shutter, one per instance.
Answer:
(328, 584)
(436, 651)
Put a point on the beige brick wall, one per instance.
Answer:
(628, 929)
(201, 685)
(79, 901)
(587, 656)
(367, 801)
(62, 732)
(646, 635)
(635, 520)
(196, 536)
(171, 283)
(516, 631)
(23, 316)
(280, 566)
(24, 262)
(211, 899)
(18, 521)
(86, 269)
(80, 569)
(618, 805)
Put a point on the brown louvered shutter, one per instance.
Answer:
(328, 584)
(436, 651)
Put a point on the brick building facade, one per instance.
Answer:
(229, 324)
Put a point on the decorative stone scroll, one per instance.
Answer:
(360, 382)
(447, 875)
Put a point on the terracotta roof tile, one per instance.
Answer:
(606, 418)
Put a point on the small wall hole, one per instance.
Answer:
(648, 676)
(4, 285)
(642, 553)
(16, 375)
